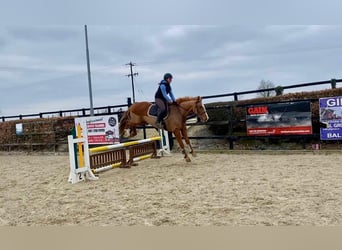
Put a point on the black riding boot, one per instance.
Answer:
(159, 123)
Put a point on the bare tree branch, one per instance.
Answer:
(266, 85)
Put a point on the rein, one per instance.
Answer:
(188, 111)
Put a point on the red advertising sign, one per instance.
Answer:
(290, 118)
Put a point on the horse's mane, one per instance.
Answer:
(185, 99)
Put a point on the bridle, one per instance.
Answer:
(188, 111)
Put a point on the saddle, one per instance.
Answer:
(153, 111)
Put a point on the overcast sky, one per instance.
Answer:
(43, 68)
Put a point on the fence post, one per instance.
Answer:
(235, 96)
(231, 143)
(144, 131)
(230, 120)
(129, 101)
(303, 142)
(333, 83)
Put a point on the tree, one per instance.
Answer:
(266, 85)
(333, 83)
(279, 90)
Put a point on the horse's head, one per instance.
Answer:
(193, 105)
(125, 129)
(200, 110)
(128, 132)
(125, 133)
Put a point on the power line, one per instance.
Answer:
(132, 77)
(139, 89)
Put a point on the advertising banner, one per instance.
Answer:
(330, 115)
(101, 129)
(290, 118)
(19, 129)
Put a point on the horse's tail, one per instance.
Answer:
(123, 122)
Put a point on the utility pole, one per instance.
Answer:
(132, 77)
(89, 76)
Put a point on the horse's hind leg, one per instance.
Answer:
(186, 138)
(178, 135)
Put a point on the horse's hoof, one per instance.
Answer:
(187, 159)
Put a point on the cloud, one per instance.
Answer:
(47, 64)
(174, 32)
(43, 34)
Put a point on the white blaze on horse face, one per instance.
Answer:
(204, 117)
(127, 133)
(206, 114)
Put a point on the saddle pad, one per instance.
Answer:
(152, 110)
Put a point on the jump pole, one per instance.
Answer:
(102, 169)
(121, 145)
(140, 158)
(119, 164)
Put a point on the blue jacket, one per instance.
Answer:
(165, 92)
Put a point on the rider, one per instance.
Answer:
(162, 97)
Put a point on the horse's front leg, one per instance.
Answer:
(178, 135)
(186, 138)
(133, 131)
(129, 132)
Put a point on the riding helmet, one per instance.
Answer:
(167, 75)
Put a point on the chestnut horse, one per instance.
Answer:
(138, 114)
